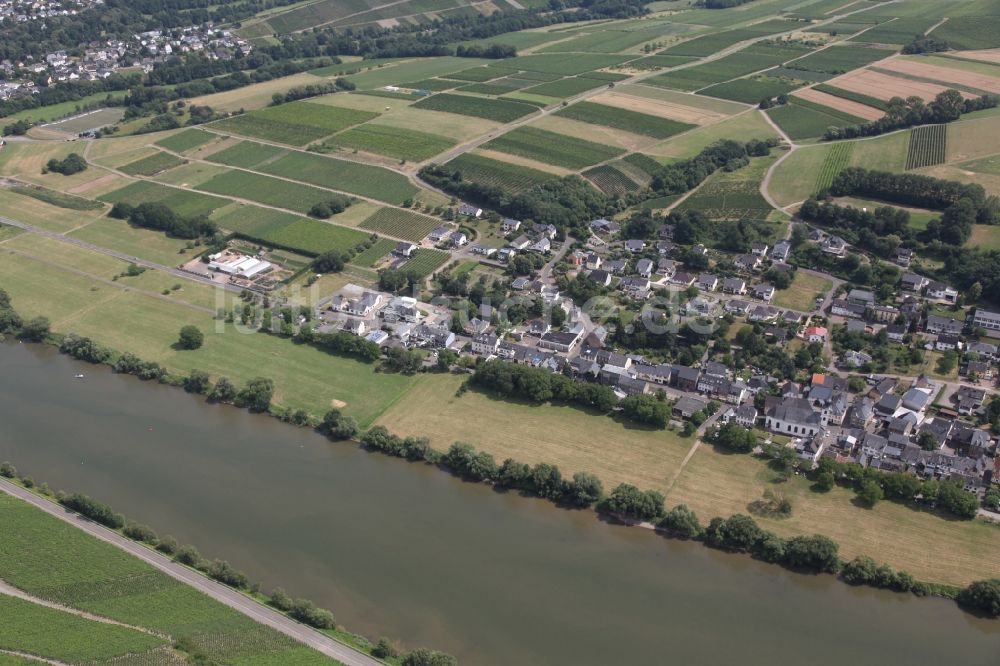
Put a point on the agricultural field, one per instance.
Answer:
(494, 173)
(839, 59)
(746, 126)
(186, 140)
(570, 64)
(295, 123)
(928, 146)
(133, 241)
(426, 261)
(552, 148)
(42, 214)
(834, 105)
(735, 195)
(152, 165)
(643, 163)
(800, 121)
(246, 154)
(499, 110)
(970, 32)
(400, 223)
(630, 121)
(182, 202)
(715, 42)
(611, 180)
(312, 237)
(250, 220)
(837, 159)
(361, 179)
(266, 190)
(58, 199)
(751, 90)
(475, 74)
(802, 293)
(860, 98)
(410, 145)
(103, 580)
(754, 58)
(900, 31)
(614, 41)
(567, 87)
(370, 256)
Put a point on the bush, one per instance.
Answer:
(197, 382)
(628, 501)
(35, 330)
(140, 532)
(425, 657)
(167, 545)
(859, 571)
(72, 163)
(7, 470)
(190, 338)
(223, 391)
(682, 522)
(280, 600)
(338, 426)
(224, 572)
(188, 555)
(383, 649)
(813, 553)
(256, 395)
(738, 533)
(306, 612)
(96, 511)
(982, 596)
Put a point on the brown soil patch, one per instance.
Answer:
(387, 23)
(338, 404)
(598, 133)
(986, 55)
(524, 161)
(883, 86)
(947, 74)
(685, 114)
(86, 187)
(840, 104)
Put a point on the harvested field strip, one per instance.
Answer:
(838, 159)
(611, 181)
(266, 190)
(394, 142)
(630, 121)
(246, 154)
(180, 201)
(684, 111)
(885, 87)
(838, 104)
(928, 146)
(967, 91)
(494, 173)
(187, 140)
(503, 111)
(361, 179)
(152, 165)
(950, 75)
(552, 148)
(400, 223)
(860, 98)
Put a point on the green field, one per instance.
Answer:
(752, 90)
(180, 201)
(400, 223)
(928, 146)
(838, 159)
(494, 173)
(802, 293)
(267, 190)
(152, 165)
(55, 198)
(253, 220)
(566, 87)
(971, 32)
(425, 261)
(839, 59)
(860, 98)
(500, 110)
(402, 144)
(361, 179)
(313, 237)
(246, 154)
(644, 163)
(186, 140)
(611, 181)
(295, 123)
(476, 74)
(630, 121)
(751, 59)
(566, 64)
(436, 85)
(800, 121)
(552, 148)
(715, 42)
(57, 562)
(370, 256)
(134, 241)
(900, 31)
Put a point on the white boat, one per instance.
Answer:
(77, 376)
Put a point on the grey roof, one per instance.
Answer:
(795, 410)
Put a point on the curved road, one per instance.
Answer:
(257, 612)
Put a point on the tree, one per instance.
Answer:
(425, 657)
(35, 330)
(330, 261)
(859, 571)
(982, 596)
(72, 163)
(645, 408)
(628, 501)
(197, 381)
(336, 425)
(584, 490)
(815, 553)
(280, 599)
(256, 395)
(190, 337)
(682, 522)
(223, 391)
(735, 437)
(824, 481)
(870, 493)
(383, 649)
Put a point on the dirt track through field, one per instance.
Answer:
(839, 103)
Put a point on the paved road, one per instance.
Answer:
(314, 639)
(118, 255)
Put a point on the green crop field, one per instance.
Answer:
(713, 43)
(838, 159)
(752, 90)
(425, 261)
(839, 59)
(312, 237)
(552, 148)
(370, 256)
(55, 198)
(477, 74)
(611, 181)
(246, 154)
(567, 64)
(361, 179)
(751, 59)
(566, 87)
(800, 121)
(180, 201)
(101, 579)
(400, 223)
(266, 190)
(496, 88)
(644, 163)
(435, 85)
(970, 32)
(295, 123)
(900, 31)
(623, 119)
(494, 173)
(500, 110)
(152, 165)
(186, 140)
(613, 41)
(253, 220)
(860, 98)
(928, 146)
(403, 144)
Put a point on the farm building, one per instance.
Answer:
(235, 263)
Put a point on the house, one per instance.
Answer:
(842, 308)
(438, 234)
(913, 282)
(458, 239)
(759, 249)
(734, 286)
(355, 327)
(666, 267)
(561, 341)
(895, 332)
(737, 306)
(854, 359)
(792, 416)
(656, 374)
(605, 226)
(631, 386)
(882, 314)
(635, 245)
(433, 336)
(747, 262)
(986, 319)
(781, 251)
(700, 249)
(764, 292)
(505, 254)
(683, 279)
(236, 264)
(520, 243)
(777, 334)
(746, 415)
(469, 210)
(484, 250)
(635, 287)
(485, 344)
(968, 399)
(699, 307)
(544, 230)
(707, 282)
(644, 267)
(616, 266)
(834, 245)
(509, 225)
(686, 378)
(947, 342)
(404, 250)
(520, 284)
(941, 292)
(360, 306)
(860, 297)
(982, 349)
(602, 278)
(904, 256)
(888, 404)
(686, 407)
(665, 247)
(378, 337)
(916, 400)
(543, 246)
(763, 313)
(943, 325)
(815, 334)
(401, 308)
(593, 261)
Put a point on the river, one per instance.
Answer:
(406, 551)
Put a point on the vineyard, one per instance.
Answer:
(246, 154)
(611, 181)
(836, 161)
(187, 140)
(928, 146)
(403, 144)
(361, 179)
(180, 201)
(297, 123)
(369, 257)
(500, 110)
(729, 200)
(623, 119)
(493, 173)
(552, 148)
(152, 165)
(425, 262)
(266, 190)
(400, 223)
